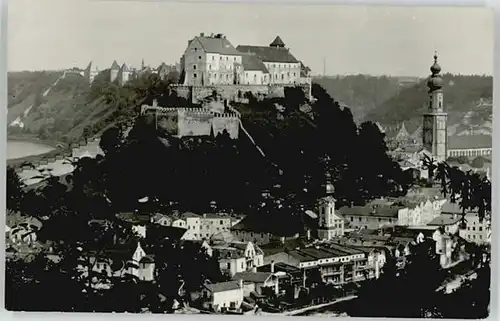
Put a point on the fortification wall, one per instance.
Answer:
(230, 123)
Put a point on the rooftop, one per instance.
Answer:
(375, 211)
(223, 286)
(269, 54)
(444, 219)
(469, 142)
(254, 277)
(216, 44)
(252, 63)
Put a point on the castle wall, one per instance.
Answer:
(196, 94)
(227, 122)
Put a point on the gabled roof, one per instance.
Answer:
(444, 219)
(124, 67)
(269, 54)
(252, 63)
(115, 66)
(189, 214)
(254, 277)
(223, 286)
(277, 42)
(451, 208)
(469, 142)
(218, 45)
(377, 211)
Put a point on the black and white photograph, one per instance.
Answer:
(249, 159)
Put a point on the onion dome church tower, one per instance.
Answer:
(435, 119)
(330, 225)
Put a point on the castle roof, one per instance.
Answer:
(124, 68)
(252, 63)
(217, 44)
(277, 42)
(469, 142)
(115, 66)
(269, 54)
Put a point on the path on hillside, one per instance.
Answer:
(19, 119)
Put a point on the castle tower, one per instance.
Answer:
(330, 224)
(435, 127)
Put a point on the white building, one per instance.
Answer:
(224, 295)
(210, 60)
(331, 224)
(282, 66)
(476, 231)
(236, 257)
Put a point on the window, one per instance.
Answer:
(288, 74)
(294, 74)
(221, 222)
(195, 49)
(194, 67)
(226, 59)
(282, 76)
(480, 228)
(234, 58)
(220, 58)
(199, 57)
(210, 67)
(194, 75)
(360, 219)
(473, 228)
(352, 218)
(213, 57)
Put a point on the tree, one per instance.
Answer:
(14, 189)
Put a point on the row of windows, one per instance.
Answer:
(281, 66)
(360, 219)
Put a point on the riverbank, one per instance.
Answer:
(56, 148)
(311, 308)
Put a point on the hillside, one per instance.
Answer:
(360, 93)
(461, 95)
(63, 107)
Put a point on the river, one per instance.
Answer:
(20, 149)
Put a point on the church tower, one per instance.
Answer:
(435, 127)
(330, 224)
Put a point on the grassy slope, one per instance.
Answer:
(63, 113)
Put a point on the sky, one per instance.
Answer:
(376, 40)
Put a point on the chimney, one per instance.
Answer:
(254, 269)
(204, 215)
(155, 103)
(272, 266)
(202, 34)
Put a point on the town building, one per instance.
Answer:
(338, 264)
(223, 296)
(474, 230)
(204, 226)
(237, 257)
(469, 145)
(117, 261)
(370, 216)
(261, 283)
(250, 230)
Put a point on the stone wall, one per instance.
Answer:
(195, 94)
(195, 121)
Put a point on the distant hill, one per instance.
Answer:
(57, 108)
(361, 93)
(461, 95)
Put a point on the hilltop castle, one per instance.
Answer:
(212, 61)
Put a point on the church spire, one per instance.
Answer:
(435, 81)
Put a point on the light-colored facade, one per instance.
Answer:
(211, 60)
(420, 213)
(204, 226)
(237, 257)
(476, 231)
(224, 295)
(282, 66)
(371, 217)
